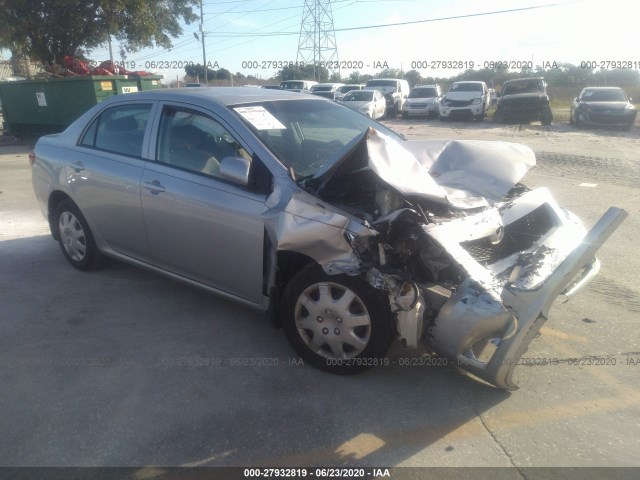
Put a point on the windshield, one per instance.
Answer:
(348, 88)
(358, 96)
(531, 86)
(604, 96)
(305, 134)
(423, 93)
(292, 85)
(323, 88)
(466, 87)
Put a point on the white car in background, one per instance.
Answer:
(465, 100)
(422, 100)
(368, 102)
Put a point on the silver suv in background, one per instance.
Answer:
(344, 89)
(326, 90)
(297, 85)
(465, 100)
(422, 100)
(395, 92)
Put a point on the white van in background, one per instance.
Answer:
(395, 92)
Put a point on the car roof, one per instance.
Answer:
(469, 81)
(222, 96)
(426, 86)
(524, 79)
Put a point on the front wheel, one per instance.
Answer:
(75, 237)
(337, 323)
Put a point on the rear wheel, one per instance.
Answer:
(75, 237)
(547, 117)
(405, 115)
(337, 323)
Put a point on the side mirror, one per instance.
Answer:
(236, 170)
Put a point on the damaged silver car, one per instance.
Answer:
(344, 232)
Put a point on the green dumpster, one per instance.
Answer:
(32, 107)
(150, 82)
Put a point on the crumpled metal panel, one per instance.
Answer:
(313, 228)
(486, 169)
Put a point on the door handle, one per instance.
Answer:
(154, 186)
(78, 165)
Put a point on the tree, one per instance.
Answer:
(47, 31)
(389, 73)
(306, 72)
(413, 77)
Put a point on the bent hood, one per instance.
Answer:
(461, 173)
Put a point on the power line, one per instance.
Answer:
(384, 25)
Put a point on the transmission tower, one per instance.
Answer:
(317, 44)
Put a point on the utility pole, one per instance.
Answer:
(110, 49)
(204, 53)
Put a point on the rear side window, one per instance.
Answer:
(119, 130)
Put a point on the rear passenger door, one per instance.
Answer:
(104, 176)
(199, 225)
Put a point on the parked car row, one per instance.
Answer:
(520, 100)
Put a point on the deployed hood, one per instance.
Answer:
(459, 173)
(485, 168)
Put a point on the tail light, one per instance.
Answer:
(32, 157)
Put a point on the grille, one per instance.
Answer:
(518, 236)
(522, 106)
(459, 103)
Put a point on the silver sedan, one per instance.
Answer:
(345, 233)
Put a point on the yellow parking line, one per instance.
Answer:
(564, 336)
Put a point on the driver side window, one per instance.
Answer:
(191, 141)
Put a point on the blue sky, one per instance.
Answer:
(561, 31)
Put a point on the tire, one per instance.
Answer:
(443, 119)
(349, 318)
(547, 117)
(75, 237)
(405, 115)
(498, 117)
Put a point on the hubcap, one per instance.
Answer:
(332, 320)
(72, 236)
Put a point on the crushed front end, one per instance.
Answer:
(471, 259)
